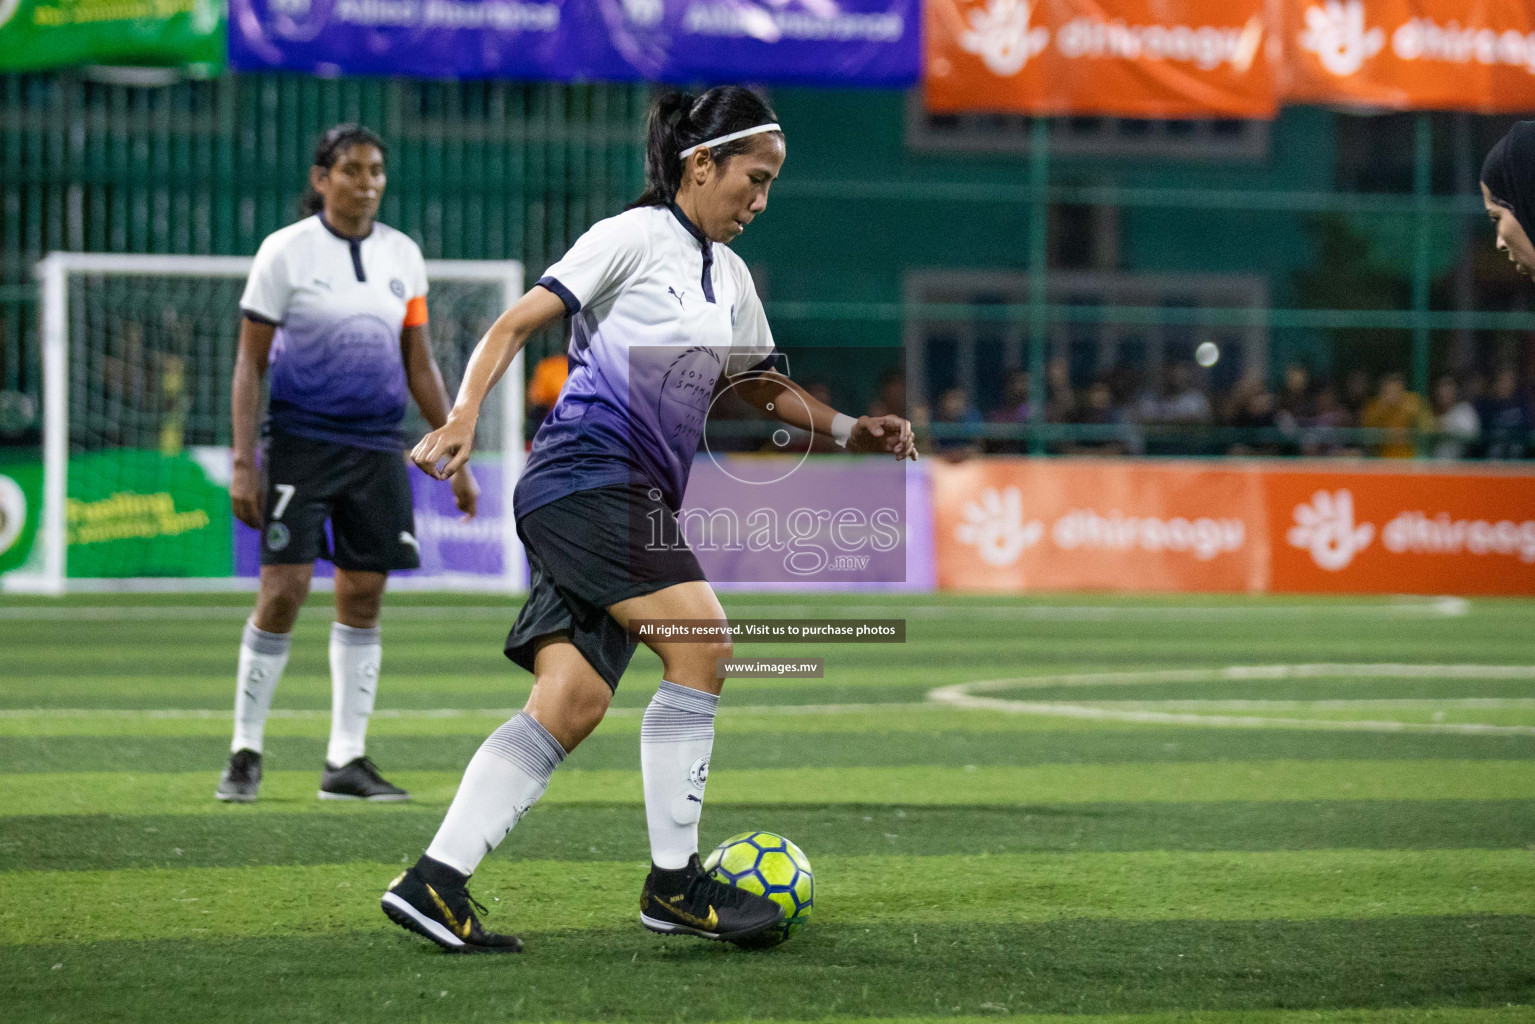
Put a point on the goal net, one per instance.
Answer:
(138, 355)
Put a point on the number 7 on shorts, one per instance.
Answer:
(285, 492)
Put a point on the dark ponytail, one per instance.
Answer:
(328, 150)
(678, 120)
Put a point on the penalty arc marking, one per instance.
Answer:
(972, 696)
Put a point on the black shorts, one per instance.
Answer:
(364, 493)
(589, 550)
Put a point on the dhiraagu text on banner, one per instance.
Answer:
(1017, 525)
(37, 34)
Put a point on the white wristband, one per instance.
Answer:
(842, 428)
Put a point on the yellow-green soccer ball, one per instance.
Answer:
(767, 865)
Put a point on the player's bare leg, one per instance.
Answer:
(686, 664)
(678, 732)
(281, 596)
(356, 652)
(359, 597)
(676, 739)
(263, 656)
(569, 697)
(506, 777)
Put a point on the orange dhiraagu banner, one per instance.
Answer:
(1476, 55)
(1132, 58)
(1402, 533)
(1021, 524)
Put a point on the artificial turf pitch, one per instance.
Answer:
(1360, 849)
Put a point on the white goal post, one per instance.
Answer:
(137, 354)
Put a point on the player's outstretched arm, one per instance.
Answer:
(451, 443)
(779, 396)
(255, 350)
(424, 379)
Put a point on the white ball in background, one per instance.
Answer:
(1207, 354)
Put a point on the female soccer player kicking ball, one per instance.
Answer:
(336, 305)
(661, 309)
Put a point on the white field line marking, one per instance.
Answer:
(1443, 607)
(1387, 703)
(964, 695)
(316, 714)
(1447, 607)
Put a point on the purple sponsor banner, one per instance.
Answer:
(780, 521)
(921, 563)
(449, 547)
(539, 39)
(456, 552)
(873, 43)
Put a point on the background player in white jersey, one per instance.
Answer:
(336, 306)
(662, 312)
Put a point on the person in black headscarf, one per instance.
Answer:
(1508, 192)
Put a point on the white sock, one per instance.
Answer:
(676, 737)
(354, 659)
(504, 779)
(263, 656)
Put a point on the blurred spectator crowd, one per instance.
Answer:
(1488, 415)
(1481, 415)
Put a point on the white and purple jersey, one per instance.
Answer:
(659, 313)
(339, 304)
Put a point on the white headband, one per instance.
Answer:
(743, 133)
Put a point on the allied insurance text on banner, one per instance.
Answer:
(1130, 58)
(865, 43)
(1472, 55)
(424, 38)
(872, 43)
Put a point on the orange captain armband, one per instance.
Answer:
(415, 312)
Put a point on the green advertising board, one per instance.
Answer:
(37, 34)
(140, 513)
(21, 505)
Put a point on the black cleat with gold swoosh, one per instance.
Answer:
(689, 902)
(432, 900)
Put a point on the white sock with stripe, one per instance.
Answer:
(504, 779)
(676, 737)
(263, 656)
(355, 655)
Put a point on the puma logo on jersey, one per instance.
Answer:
(406, 538)
(322, 284)
(676, 295)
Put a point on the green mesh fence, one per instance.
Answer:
(478, 170)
